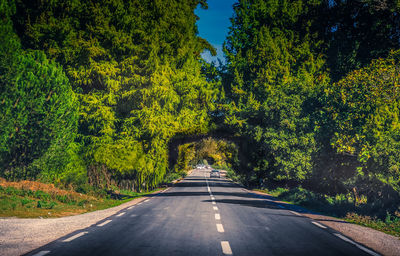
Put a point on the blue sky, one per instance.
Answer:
(213, 25)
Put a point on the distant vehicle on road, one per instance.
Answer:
(215, 173)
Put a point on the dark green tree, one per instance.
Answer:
(273, 71)
(37, 105)
(135, 66)
(358, 31)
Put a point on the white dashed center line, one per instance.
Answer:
(75, 237)
(119, 215)
(215, 208)
(220, 228)
(104, 223)
(317, 224)
(213, 202)
(41, 253)
(226, 248)
(212, 198)
(217, 216)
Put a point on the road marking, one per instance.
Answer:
(146, 200)
(317, 224)
(215, 208)
(359, 246)
(131, 207)
(119, 215)
(41, 253)
(217, 216)
(133, 215)
(209, 190)
(212, 198)
(213, 202)
(75, 237)
(104, 223)
(220, 228)
(280, 206)
(226, 248)
(296, 213)
(139, 203)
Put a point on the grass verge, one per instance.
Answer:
(30, 199)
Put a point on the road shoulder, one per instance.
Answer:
(376, 240)
(19, 236)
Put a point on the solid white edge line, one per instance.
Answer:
(41, 253)
(104, 223)
(75, 237)
(226, 248)
(317, 224)
(130, 208)
(146, 200)
(356, 244)
(220, 228)
(296, 213)
(217, 216)
(119, 215)
(215, 208)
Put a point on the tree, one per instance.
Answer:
(135, 66)
(358, 31)
(364, 111)
(38, 106)
(273, 69)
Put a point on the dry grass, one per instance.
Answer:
(32, 199)
(47, 188)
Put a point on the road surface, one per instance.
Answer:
(203, 216)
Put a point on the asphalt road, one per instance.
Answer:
(203, 216)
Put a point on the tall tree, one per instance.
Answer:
(37, 104)
(274, 67)
(358, 31)
(135, 65)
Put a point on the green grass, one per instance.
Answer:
(341, 206)
(26, 203)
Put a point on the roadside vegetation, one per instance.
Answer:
(309, 97)
(31, 199)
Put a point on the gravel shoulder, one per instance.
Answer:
(376, 240)
(19, 236)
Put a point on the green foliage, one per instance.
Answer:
(274, 70)
(135, 66)
(363, 109)
(38, 109)
(357, 31)
(207, 151)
